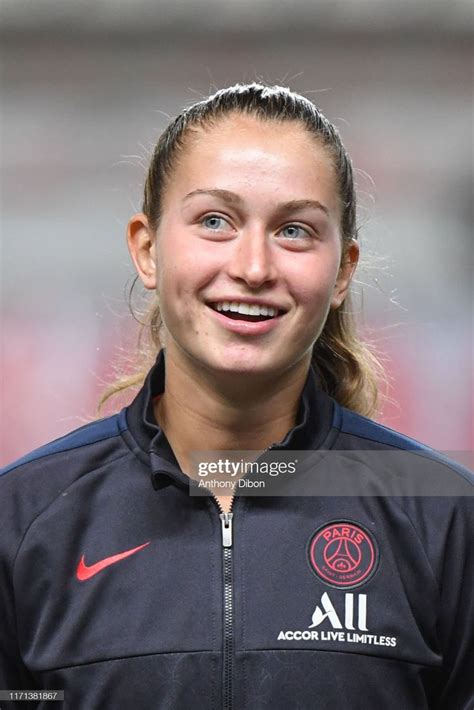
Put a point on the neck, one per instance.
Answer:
(225, 413)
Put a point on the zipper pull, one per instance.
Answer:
(226, 529)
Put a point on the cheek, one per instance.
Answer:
(312, 293)
(175, 268)
(182, 278)
(312, 284)
(187, 265)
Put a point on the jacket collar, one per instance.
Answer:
(313, 426)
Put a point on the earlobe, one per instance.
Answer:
(142, 247)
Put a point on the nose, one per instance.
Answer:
(252, 259)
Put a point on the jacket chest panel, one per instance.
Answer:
(119, 587)
(293, 586)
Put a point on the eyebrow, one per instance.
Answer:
(234, 199)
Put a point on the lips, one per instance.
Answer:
(251, 326)
(217, 305)
(234, 315)
(245, 316)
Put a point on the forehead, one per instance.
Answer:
(255, 158)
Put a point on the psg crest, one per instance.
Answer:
(343, 554)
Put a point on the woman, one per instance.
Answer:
(130, 592)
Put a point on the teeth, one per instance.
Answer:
(246, 308)
(250, 309)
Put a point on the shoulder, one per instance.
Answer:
(415, 485)
(361, 433)
(29, 485)
(355, 424)
(80, 444)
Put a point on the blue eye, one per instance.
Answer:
(295, 228)
(211, 221)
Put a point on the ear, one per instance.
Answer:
(142, 247)
(348, 266)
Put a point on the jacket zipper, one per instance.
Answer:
(228, 625)
(228, 645)
(228, 634)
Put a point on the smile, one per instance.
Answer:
(251, 312)
(245, 324)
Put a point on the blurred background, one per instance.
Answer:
(87, 87)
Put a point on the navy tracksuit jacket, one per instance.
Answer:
(126, 592)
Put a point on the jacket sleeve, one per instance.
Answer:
(13, 673)
(456, 621)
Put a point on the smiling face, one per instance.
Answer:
(251, 214)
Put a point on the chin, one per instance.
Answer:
(244, 363)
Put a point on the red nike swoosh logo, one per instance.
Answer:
(86, 571)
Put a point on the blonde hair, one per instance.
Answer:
(348, 368)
